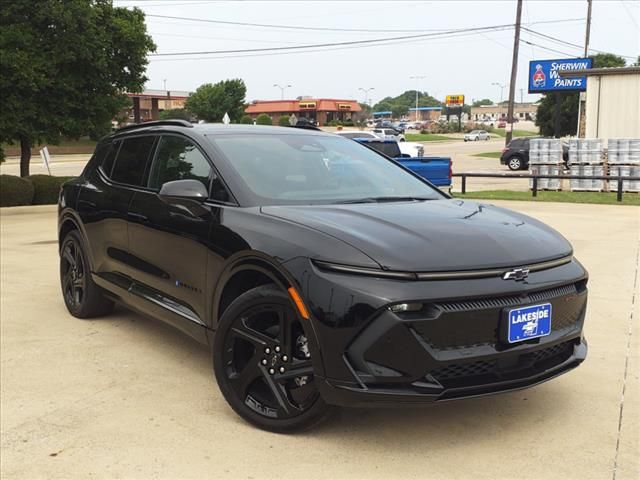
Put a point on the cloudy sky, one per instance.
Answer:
(466, 62)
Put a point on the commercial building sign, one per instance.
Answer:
(544, 75)
(454, 100)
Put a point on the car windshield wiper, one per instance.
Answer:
(384, 200)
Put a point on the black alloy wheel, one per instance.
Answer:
(82, 297)
(262, 362)
(72, 273)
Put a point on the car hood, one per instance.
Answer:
(434, 235)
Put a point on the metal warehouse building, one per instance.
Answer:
(611, 102)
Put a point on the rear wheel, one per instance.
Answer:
(262, 362)
(515, 163)
(82, 297)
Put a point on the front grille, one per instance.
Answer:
(473, 323)
(543, 358)
(509, 301)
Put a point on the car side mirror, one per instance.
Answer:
(193, 189)
(405, 155)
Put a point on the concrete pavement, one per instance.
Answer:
(128, 397)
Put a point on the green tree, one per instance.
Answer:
(546, 114)
(211, 101)
(283, 121)
(484, 101)
(175, 113)
(246, 119)
(65, 67)
(264, 119)
(401, 104)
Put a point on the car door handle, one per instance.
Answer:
(138, 216)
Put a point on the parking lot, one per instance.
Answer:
(128, 397)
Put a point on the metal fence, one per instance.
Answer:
(534, 187)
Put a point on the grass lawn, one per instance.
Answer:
(488, 154)
(516, 133)
(567, 197)
(427, 137)
(66, 147)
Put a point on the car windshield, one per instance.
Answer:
(474, 131)
(286, 169)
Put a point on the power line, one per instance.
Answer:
(335, 44)
(297, 52)
(326, 29)
(549, 49)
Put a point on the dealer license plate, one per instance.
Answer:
(529, 322)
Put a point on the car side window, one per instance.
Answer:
(106, 155)
(178, 159)
(132, 159)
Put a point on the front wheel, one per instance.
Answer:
(476, 139)
(262, 362)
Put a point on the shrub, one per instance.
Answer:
(335, 123)
(46, 188)
(348, 123)
(15, 191)
(264, 119)
(175, 113)
(246, 119)
(283, 121)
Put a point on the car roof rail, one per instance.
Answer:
(157, 123)
(306, 127)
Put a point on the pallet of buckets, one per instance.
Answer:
(586, 159)
(545, 158)
(623, 159)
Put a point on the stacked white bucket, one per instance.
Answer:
(585, 158)
(545, 158)
(624, 159)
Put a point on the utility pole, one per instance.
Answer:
(587, 35)
(514, 73)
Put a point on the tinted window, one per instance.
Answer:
(178, 159)
(132, 160)
(106, 154)
(294, 169)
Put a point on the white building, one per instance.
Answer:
(611, 102)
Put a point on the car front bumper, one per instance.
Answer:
(453, 347)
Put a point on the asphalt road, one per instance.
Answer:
(461, 153)
(128, 397)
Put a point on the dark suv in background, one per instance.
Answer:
(318, 271)
(516, 154)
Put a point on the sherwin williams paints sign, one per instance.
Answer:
(544, 75)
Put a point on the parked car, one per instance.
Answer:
(357, 134)
(475, 135)
(413, 149)
(318, 272)
(502, 124)
(389, 133)
(516, 154)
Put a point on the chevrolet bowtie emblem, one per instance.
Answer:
(516, 274)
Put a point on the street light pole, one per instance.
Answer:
(282, 89)
(501, 92)
(366, 93)
(417, 77)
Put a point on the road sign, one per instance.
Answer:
(544, 75)
(46, 158)
(454, 100)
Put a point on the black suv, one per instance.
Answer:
(318, 271)
(516, 154)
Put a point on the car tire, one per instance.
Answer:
(476, 139)
(259, 344)
(515, 163)
(82, 297)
